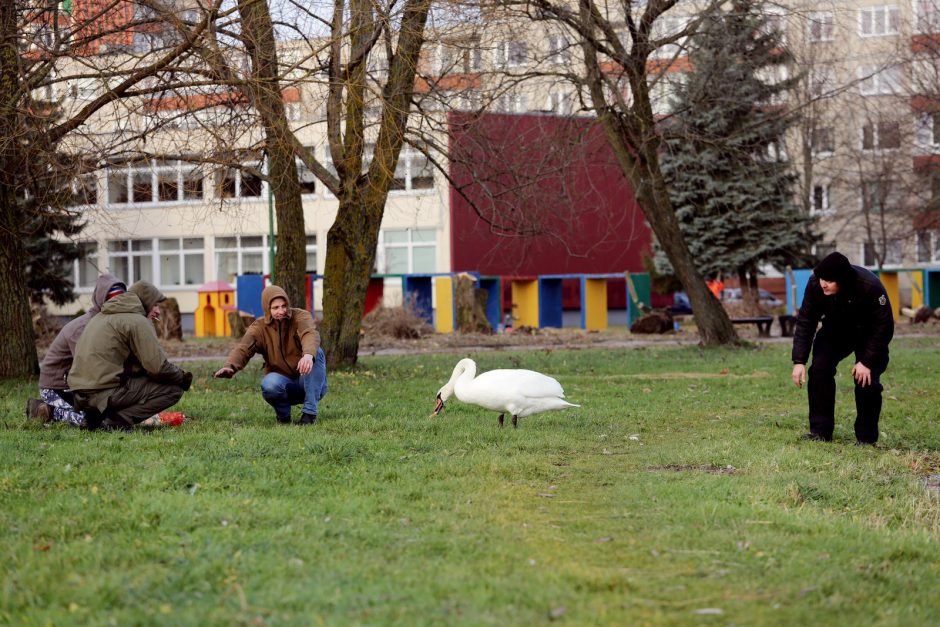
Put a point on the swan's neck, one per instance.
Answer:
(462, 376)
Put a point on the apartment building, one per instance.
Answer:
(867, 151)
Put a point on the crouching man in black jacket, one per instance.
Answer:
(856, 318)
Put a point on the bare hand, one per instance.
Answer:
(224, 373)
(799, 375)
(862, 374)
(305, 365)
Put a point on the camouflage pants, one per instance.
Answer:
(62, 411)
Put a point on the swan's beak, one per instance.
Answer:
(438, 406)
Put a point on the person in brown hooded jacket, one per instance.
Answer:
(121, 376)
(55, 402)
(295, 366)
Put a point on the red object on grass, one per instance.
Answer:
(172, 418)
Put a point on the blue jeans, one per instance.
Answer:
(282, 392)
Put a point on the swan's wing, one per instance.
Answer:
(526, 383)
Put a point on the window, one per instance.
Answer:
(822, 249)
(878, 21)
(558, 51)
(308, 181)
(926, 16)
(875, 80)
(131, 260)
(822, 26)
(235, 183)
(774, 24)
(821, 204)
(823, 140)
(882, 135)
(928, 129)
(559, 102)
(512, 103)
(245, 254)
(156, 181)
(879, 196)
(86, 266)
(312, 254)
(408, 251)
(888, 252)
(511, 53)
(928, 246)
(821, 83)
(669, 26)
(182, 261)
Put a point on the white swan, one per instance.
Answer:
(519, 393)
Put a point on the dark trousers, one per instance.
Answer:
(828, 350)
(136, 400)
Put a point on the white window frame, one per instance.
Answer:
(184, 257)
(240, 250)
(559, 50)
(826, 23)
(926, 17)
(890, 199)
(154, 169)
(220, 177)
(410, 246)
(932, 243)
(879, 81)
(890, 17)
(665, 26)
(92, 258)
(512, 53)
(894, 253)
(877, 131)
(827, 151)
(825, 207)
(928, 129)
(821, 82)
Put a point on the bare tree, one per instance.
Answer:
(617, 42)
(44, 53)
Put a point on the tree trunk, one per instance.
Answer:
(714, 326)
(18, 356)
(350, 257)
(290, 261)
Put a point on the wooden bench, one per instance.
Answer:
(787, 325)
(762, 322)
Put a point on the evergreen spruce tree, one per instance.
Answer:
(729, 181)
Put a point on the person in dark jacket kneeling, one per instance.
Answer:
(294, 363)
(856, 318)
(120, 376)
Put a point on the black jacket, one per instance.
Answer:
(860, 313)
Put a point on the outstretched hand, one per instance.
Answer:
(305, 365)
(799, 375)
(224, 373)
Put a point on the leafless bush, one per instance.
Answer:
(401, 323)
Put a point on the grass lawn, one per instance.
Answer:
(678, 494)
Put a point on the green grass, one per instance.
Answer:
(678, 486)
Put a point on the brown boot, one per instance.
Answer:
(38, 410)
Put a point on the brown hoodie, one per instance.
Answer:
(58, 359)
(281, 342)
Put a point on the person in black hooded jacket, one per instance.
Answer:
(856, 318)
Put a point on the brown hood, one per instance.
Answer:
(148, 294)
(270, 293)
(102, 286)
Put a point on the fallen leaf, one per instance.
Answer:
(43, 547)
(604, 539)
(557, 612)
(723, 371)
(713, 611)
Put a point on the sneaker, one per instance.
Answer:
(308, 419)
(284, 420)
(815, 437)
(38, 410)
(172, 418)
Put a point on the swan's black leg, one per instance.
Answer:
(515, 419)
(501, 420)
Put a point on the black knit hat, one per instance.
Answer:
(836, 268)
